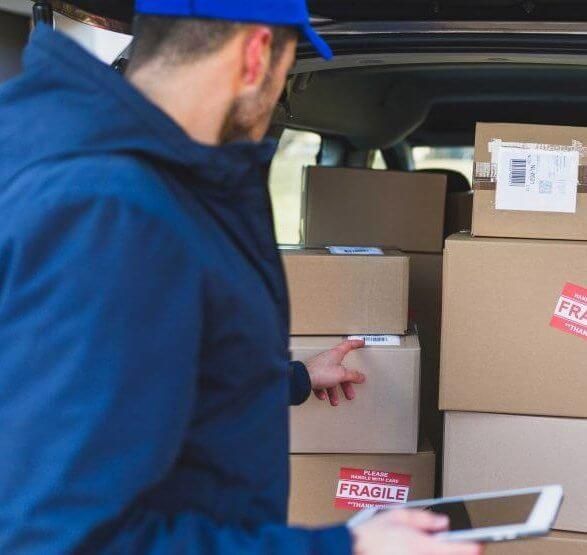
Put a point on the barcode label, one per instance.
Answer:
(518, 173)
(379, 340)
(536, 179)
(369, 251)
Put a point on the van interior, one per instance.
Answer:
(410, 81)
(406, 110)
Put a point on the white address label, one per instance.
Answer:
(379, 340)
(370, 251)
(535, 179)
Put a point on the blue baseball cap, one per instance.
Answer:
(292, 13)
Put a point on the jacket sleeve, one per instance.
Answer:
(98, 383)
(300, 386)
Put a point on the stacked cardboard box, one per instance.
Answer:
(355, 207)
(515, 324)
(538, 145)
(557, 543)
(321, 484)
(408, 211)
(383, 418)
(485, 452)
(363, 452)
(334, 294)
(366, 451)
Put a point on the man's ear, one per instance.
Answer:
(257, 57)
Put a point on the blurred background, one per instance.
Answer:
(15, 26)
(297, 148)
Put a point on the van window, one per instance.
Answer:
(379, 162)
(296, 150)
(446, 158)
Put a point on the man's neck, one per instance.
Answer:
(197, 97)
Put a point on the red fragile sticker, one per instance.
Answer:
(570, 314)
(361, 489)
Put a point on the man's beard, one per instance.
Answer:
(248, 114)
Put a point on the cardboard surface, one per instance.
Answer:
(347, 294)
(500, 352)
(489, 222)
(403, 210)
(383, 418)
(488, 452)
(315, 478)
(459, 212)
(558, 543)
(425, 311)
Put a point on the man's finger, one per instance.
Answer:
(348, 390)
(321, 394)
(349, 345)
(424, 521)
(354, 376)
(333, 395)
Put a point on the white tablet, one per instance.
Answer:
(490, 517)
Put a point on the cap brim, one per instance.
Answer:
(317, 42)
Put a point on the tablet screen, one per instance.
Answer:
(486, 513)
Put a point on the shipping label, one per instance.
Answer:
(536, 178)
(570, 314)
(379, 340)
(369, 251)
(362, 489)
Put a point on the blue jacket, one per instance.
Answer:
(144, 366)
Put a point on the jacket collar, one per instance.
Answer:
(222, 166)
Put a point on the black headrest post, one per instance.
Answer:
(120, 65)
(42, 13)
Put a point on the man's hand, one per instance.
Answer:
(406, 533)
(327, 372)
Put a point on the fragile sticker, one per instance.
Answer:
(368, 251)
(378, 340)
(570, 314)
(359, 489)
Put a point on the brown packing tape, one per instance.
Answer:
(491, 186)
(485, 173)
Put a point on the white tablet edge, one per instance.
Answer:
(539, 522)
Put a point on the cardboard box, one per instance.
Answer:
(315, 483)
(459, 212)
(344, 206)
(347, 294)
(425, 312)
(503, 350)
(558, 543)
(490, 222)
(488, 452)
(383, 418)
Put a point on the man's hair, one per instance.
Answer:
(178, 41)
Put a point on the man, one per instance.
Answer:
(145, 377)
